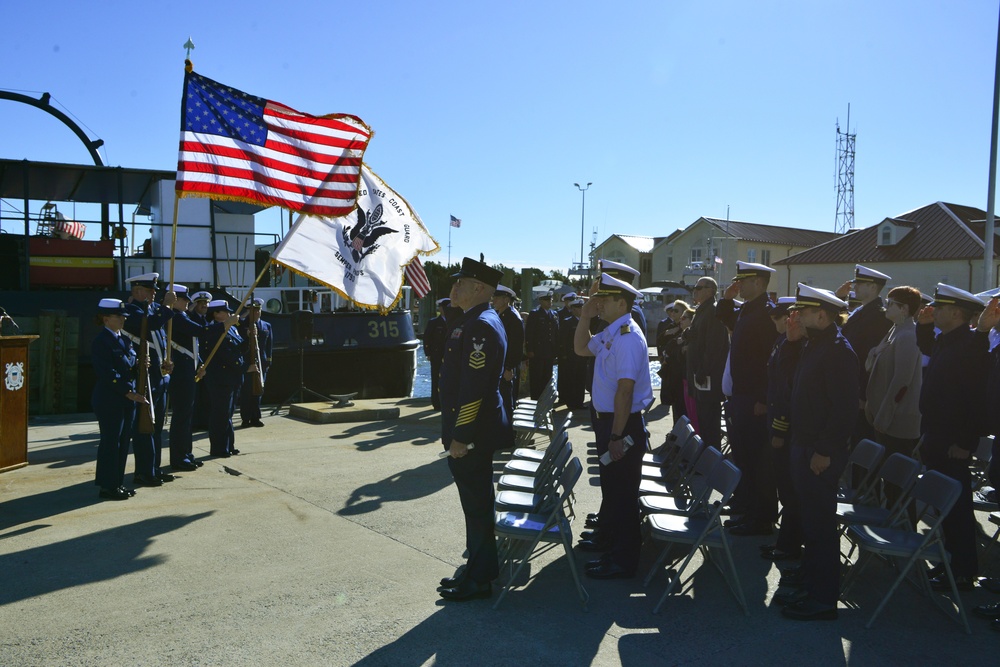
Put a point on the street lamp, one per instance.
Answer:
(583, 213)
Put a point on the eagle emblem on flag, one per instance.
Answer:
(362, 237)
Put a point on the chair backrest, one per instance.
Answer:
(866, 454)
(900, 470)
(938, 492)
(681, 426)
(553, 452)
(696, 486)
(724, 479)
(550, 485)
(690, 453)
(984, 452)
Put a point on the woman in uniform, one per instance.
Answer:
(223, 377)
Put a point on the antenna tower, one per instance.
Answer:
(844, 220)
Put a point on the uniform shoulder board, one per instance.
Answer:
(624, 330)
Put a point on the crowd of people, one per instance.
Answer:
(795, 381)
(150, 354)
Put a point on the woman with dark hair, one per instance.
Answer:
(115, 364)
(895, 372)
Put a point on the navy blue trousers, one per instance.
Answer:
(620, 517)
(817, 496)
(182, 390)
(115, 417)
(221, 405)
(148, 447)
(473, 475)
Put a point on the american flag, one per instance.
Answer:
(455, 222)
(417, 277)
(245, 148)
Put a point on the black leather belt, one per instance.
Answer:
(611, 415)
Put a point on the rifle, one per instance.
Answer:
(258, 375)
(143, 386)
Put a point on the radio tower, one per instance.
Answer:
(844, 220)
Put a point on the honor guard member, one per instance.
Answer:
(115, 363)
(148, 447)
(708, 348)
(249, 403)
(567, 300)
(435, 337)
(503, 299)
(627, 274)
(572, 367)
(865, 328)
(823, 403)
(621, 391)
(185, 354)
(223, 376)
(474, 422)
(749, 349)
(541, 344)
(780, 375)
(198, 312)
(953, 411)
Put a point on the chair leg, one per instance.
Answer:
(734, 585)
(657, 565)
(903, 571)
(676, 578)
(571, 557)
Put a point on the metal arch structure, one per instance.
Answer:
(43, 103)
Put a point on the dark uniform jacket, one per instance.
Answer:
(708, 346)
(513, 325)
(780, 375)
(472, 410)
(265, 342)
(114, 360)
(993, 394)
(435, 337)
(639, 317)
(541, 334)
(229, 364)
(953, 393)
(186, 354)
(864, 329)
(159, 315)
(824, 403)
(750, 347)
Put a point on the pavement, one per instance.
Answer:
(322, 544)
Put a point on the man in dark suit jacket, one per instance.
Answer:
(249, 403)
(541, 341)
(435, 337)
(474, 421)
(706, 361)
(510, 385)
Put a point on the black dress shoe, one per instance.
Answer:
(795, 578)
(609, 570)
(165, 477)
(961, 583)
(597, 562)
(594, 545)
(987, 610)
(244, 424)
(591, 523)
(220, 455)
(125, 489)
(113, 494)
(592, 535)
(450, 582)
(196, 463)
(257, 424)
(749, 529)
(592, 516)
(234, 452)
(184, 465)
(790, 597)
(142, 480)
(810, 610)
(774, 555)
(732, 523)
(467, 590)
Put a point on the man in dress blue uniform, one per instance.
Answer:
(148, 447)
(749, 349)
(572, 367)
(824, 400)
(198, 312)
(708, 348)
(953, 410)
(621, 391)
(435, 337)
(185, 349)
(567, 299)
(627, 274)
(503, 299)
(541, 344)
(250, 404)
(223, 376)
(474, 422)
(865, 328)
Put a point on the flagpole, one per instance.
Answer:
(173, 257)
(239, 309)
(449, 242)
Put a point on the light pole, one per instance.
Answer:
(583, 213)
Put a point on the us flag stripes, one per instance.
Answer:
(245, 148)
(417, 277)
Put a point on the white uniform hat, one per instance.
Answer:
(751, 270)
(862, 274)
(946, 295)
(610, 286)
(816, 297)
(144, 280)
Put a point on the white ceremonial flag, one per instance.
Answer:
(363, 254)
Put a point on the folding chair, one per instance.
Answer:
(692, 496)
(677, 436)
(995, 520)
(529, 403)
(529, 466)
(702, 533)
(677, 472)
(538, 498)
(899, 471)
(530, 454)
(528, 424)
(980, 464)
(536, 483)
(866, 455)
(521, 532)
(936, 492)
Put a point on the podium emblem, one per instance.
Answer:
(14, 376)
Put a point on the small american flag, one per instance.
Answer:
(240, 147)
(455, 222)
(417, 277)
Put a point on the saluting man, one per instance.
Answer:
(627, 274)
(824, 401)
(250, 404)
(474, 422)
(621, 391)
(513, 325)
(148, 447)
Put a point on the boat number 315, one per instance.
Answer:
(383, 329)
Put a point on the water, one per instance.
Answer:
(422, 380)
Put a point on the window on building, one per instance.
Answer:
(670, 263)
(887, 235)
(765, 257)
(645, 265)
(751, 254)
(695, 255)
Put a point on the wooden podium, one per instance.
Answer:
(14, 401)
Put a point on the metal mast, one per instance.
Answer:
(844, 220)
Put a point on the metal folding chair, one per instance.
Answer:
(520, 534)
(678, 435)
(702, 533)
(866, 455)
(535, 483)
(539, 497)
(677, 472)
(691, 496)
(936, 495)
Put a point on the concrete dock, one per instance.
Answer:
(322, 544)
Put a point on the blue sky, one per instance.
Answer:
(491, 111)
